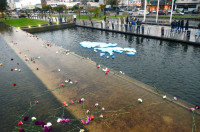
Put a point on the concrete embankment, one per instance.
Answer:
(116, 92)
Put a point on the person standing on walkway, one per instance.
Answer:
(138, 26)
(197, 34)
(50, 23)
(186, 25)
(122, 20)
(127, 19)
(130, 25)
(133, 24)
(182, 24)
(172, 26)
(74, 18)
(178, 25)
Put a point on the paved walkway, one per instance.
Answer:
(146, 30)
(149, 30)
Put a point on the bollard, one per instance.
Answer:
(162, 31)
(112, 26)
(83, 22)
(188, 34)
(92, 23)
(101, 24)
(142, 29)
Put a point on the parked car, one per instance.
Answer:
(161, 12)
(185, 11)
(177, 13)
(169, 11)
(22, 16)
(141, 12)
(195, 11)
(34, 15)
(153, 11)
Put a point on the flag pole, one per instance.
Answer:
(145, 10)
(171, 11)
(157, 11)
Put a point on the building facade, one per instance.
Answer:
(163, 5)
(189, 5)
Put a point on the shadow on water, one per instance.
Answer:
(15, 101)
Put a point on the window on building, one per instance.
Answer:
(192, 6)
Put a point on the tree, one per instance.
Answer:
(95, 10)
(46, 7)
(3, 5)
(60, 8)
(112, 2)
(102, 7)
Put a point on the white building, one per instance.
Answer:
(189, 5)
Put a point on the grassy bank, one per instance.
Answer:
(24, 22)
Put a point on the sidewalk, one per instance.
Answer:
(153, 31)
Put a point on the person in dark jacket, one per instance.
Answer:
(178, 25)
(138, 26)
(182, 24)
(127, 20)
(186, 25)
(172, 26)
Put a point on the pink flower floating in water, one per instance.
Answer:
(106, 73)
(98, 66)
(25, 118)
(83, 122)
(14, 84)
(91, 117)
(101, 116)
(197, 106)
(17, 63)
(192, 109)
(42, 123)
(81, 100)
(67, 120)
(175, 98)
(64, 103)
(72, 101)
(36, 101)
(96, 104)
(21, 130)
(48, 127)
(11, 69)
(62, 85)
(88, 120)
(20, 123)
(88, 111)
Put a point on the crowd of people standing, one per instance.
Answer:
(178, 26)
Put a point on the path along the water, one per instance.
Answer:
(191, 36)
(117, 93)
(164, 32)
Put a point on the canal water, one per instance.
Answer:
(15, 100)
(170, 67)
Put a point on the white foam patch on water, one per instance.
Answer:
(107, 48)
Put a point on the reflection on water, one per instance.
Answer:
(171, 67)
(15, 101)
